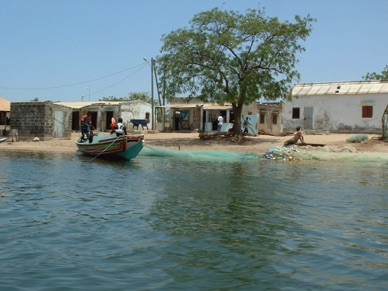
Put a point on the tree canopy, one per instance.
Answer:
(375, 76)
(227, 56)
(144, 96)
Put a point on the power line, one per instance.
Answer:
(139, 66)
(110, 86)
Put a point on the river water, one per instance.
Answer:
(209, 221)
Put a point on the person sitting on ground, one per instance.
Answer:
(120, 128)
(297, 136)
(232, 128)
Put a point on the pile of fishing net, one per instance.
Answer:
(281, 153)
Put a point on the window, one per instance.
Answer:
(262, 117)
(274, 118)
(295, 113)
(367, 111)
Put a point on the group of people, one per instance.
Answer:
(120, 129)
(87, 128)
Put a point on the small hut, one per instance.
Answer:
(5, 108)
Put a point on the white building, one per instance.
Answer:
(337, 106)
(103, 111)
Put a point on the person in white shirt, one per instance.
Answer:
(120, 128)
(220, 122)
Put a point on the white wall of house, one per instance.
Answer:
(136, 109)
(337, 107)
(103, 111)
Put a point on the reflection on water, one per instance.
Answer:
(186, 223)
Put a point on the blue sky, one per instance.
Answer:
(73, 50)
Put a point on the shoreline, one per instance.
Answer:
(191, 141)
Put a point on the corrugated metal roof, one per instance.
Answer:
(340, 88)
(180, 106)
(205, 106)
(5, 105)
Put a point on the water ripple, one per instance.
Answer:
(159, 223)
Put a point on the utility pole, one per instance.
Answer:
(152, 94)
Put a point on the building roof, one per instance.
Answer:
(5, 105)
(206, 106)
(341, 88)
(79, 105)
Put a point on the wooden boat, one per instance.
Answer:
(110, 146)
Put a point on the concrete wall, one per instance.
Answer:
(337, 113)
(44, 120)
(127, 110)
(267, 114)
(136, 109)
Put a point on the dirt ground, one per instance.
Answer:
(191, 141)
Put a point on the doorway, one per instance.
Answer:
(308, 118)
(108, 119)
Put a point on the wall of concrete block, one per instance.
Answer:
(44, 120)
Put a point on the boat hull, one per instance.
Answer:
(109, 146)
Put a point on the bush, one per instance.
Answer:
(357, 138)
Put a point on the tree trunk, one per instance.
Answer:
(237, 110)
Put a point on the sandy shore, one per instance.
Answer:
(191, 141)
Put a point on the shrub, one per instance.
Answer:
(357, 138)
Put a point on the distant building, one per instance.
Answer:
(195, 114)
(5, 110)
(48, 120)
(270, 118)
(337, 106)
(103, 111)
(44, 120)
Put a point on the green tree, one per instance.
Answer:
(131, 96)
(374, 76)
(112, 98)
(232, 57)
(144, 96)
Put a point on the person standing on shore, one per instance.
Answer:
(112, 125)
(86, 125)
(220, 122)
(297, 136)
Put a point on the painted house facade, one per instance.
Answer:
(270, 119)
(189, 115)
(337, 106)
(195, 114)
